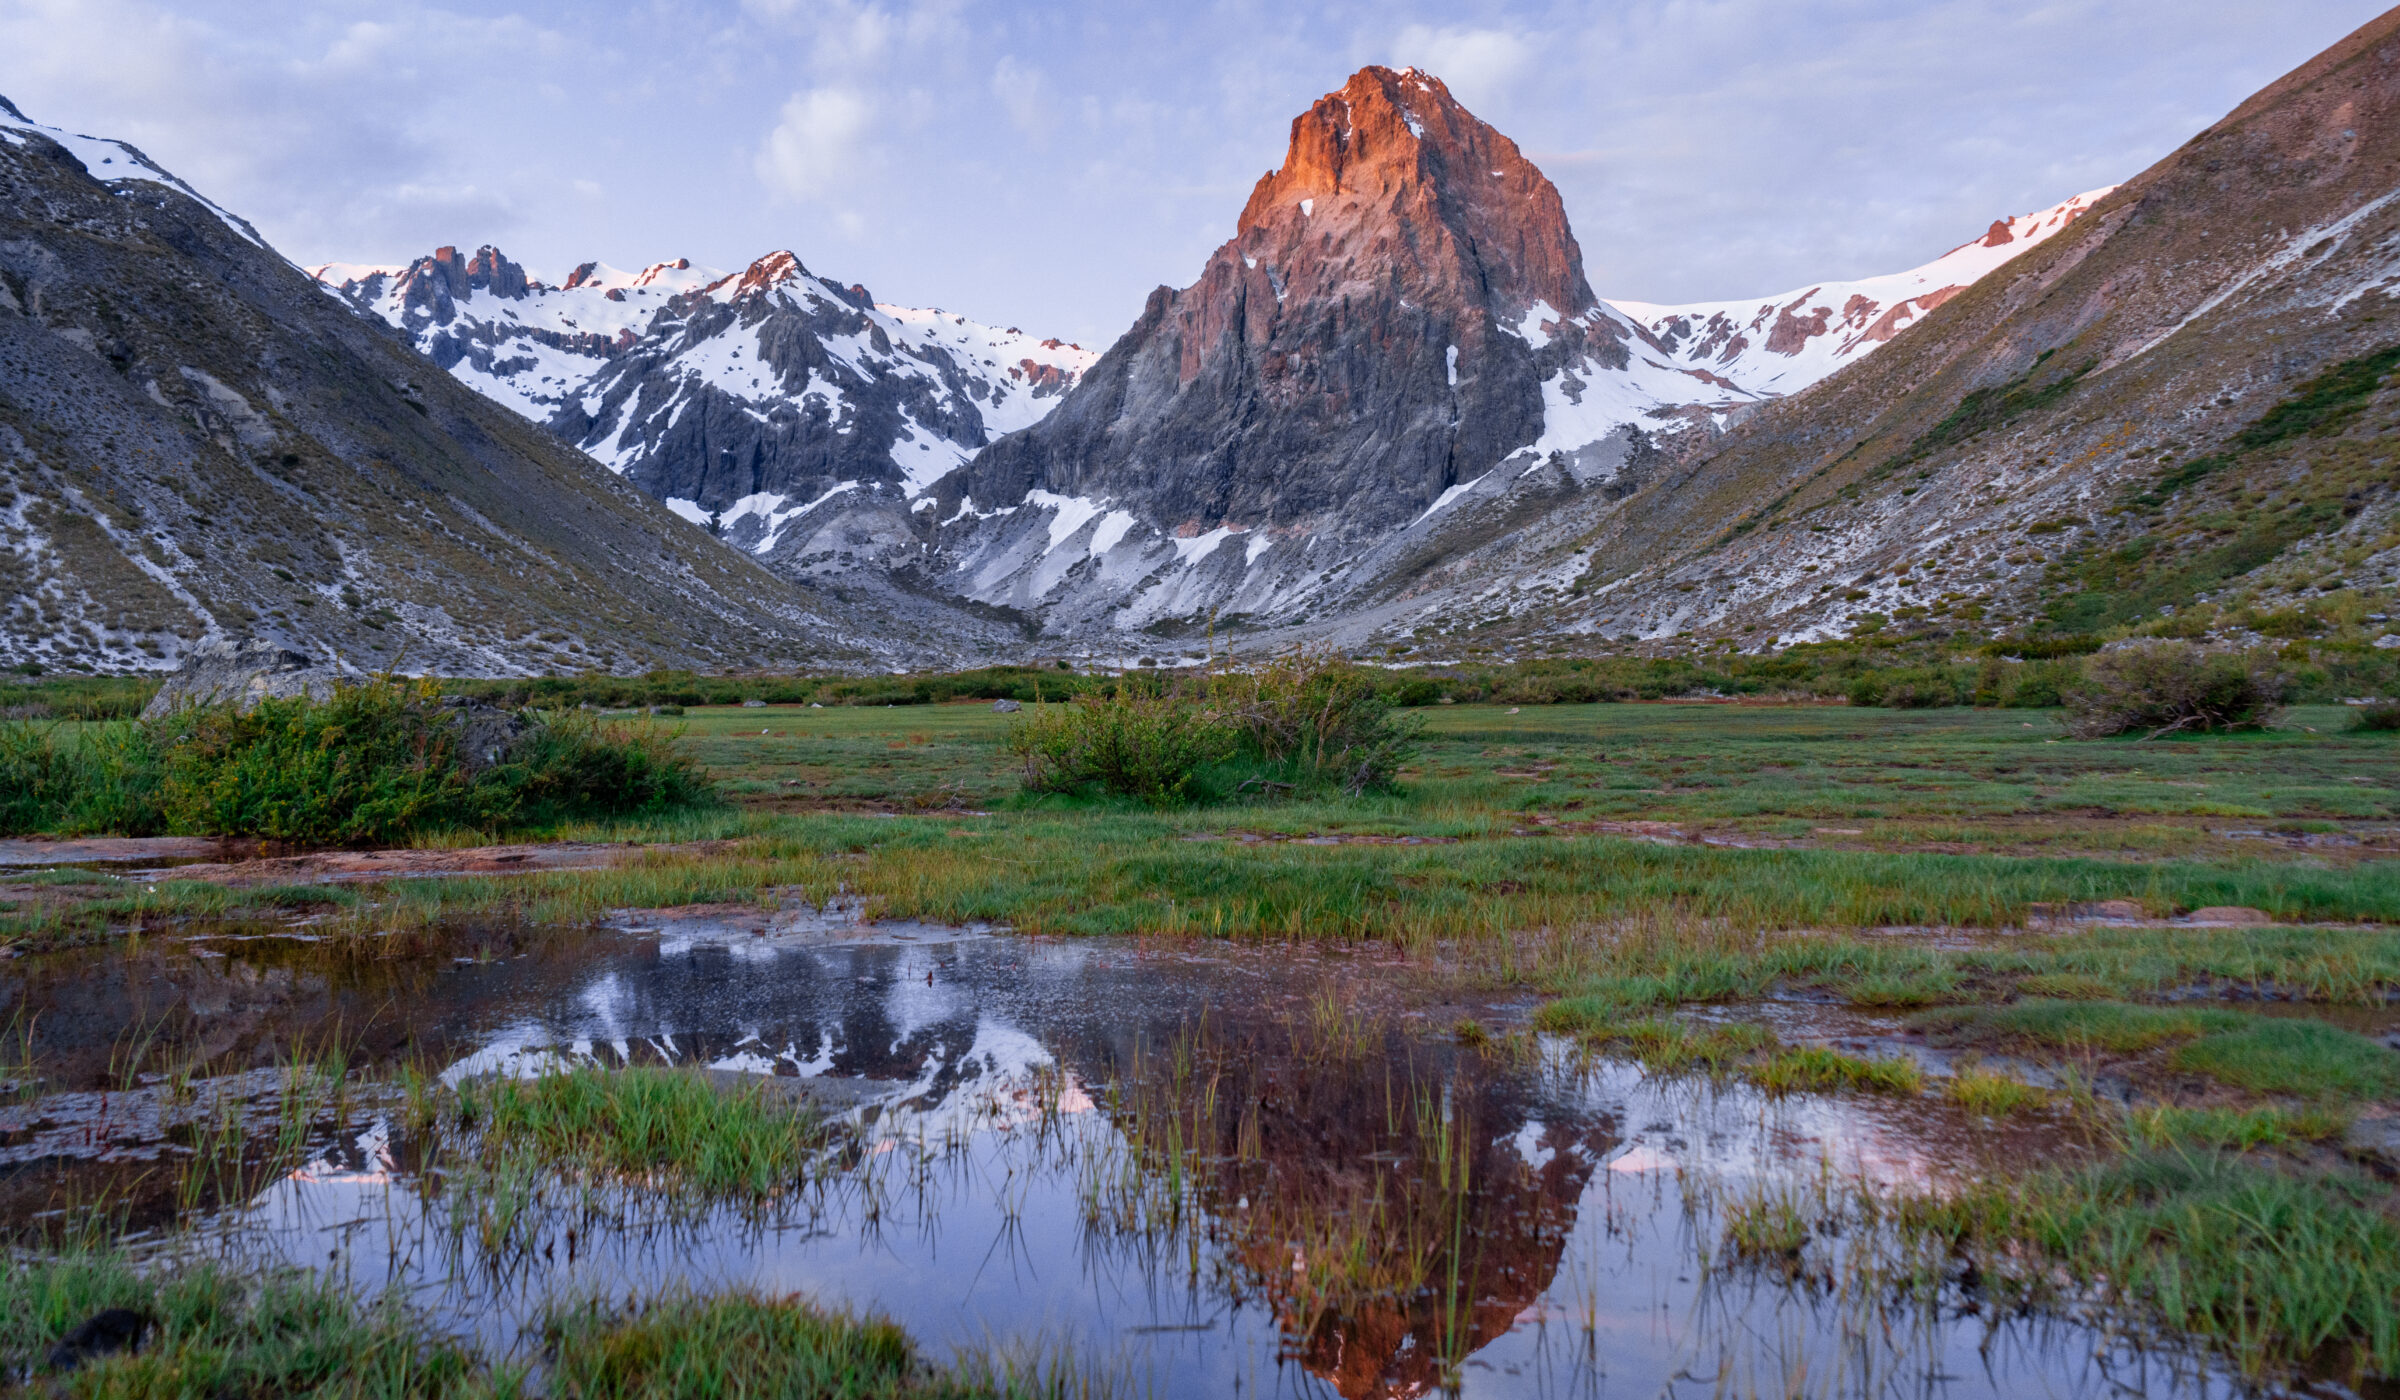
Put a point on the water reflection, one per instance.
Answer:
(1213, 1172)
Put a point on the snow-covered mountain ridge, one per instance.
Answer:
(1775, 346)
(741, 399)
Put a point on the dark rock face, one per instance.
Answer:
(1375, 333)
(831, 397)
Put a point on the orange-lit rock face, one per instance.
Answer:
(1389, 186)
(1390, 1214)
(1362, 342)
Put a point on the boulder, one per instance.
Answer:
(1006, 707)
(485, 732)
(241, 674)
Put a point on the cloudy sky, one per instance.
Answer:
(1046, 164)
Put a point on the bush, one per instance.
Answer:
(1141, 740)
(573, 766)
(1304, 722)
(373, 763)
(1320, 722)
(105, 779)
(2162, 687)
(2382, 717)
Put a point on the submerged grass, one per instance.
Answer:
(2279, 1268)
(207, 1328)
(658, 1127)
(202, 1328)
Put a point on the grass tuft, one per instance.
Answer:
(658, 1127)
(1816, 1069)
(1989, 1094)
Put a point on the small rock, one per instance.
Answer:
(754, 704)
(104, 1332)
(1005, 707)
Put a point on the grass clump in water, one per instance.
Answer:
(2277, 1268)
(1726, 1047)
(741, 1344)
(207, 1329)
(2264, 1054)
(2235, 1128)
(1989, 1094)
(1819, 1070)
(652, 1126)
(2101, 1025)
(204, 1329)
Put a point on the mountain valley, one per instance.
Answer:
(1391, 414)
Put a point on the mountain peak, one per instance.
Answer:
(1393, 150)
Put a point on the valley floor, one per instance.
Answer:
(2126, 954)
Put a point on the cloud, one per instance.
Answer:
(1478, 64)
(1025, 94)
(816, 143)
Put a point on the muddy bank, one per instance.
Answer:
(250, 863)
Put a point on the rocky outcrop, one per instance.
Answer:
(1376, 332)
(1398, 336)
(241, 674)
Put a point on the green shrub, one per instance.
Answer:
(375, 763)
(104, 779)
(1320, 723)
(2382, 717)
(574, 766)
(1140, 740)
(2163, 687)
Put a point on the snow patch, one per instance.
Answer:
(1443, 500)
(1529, 326)
(1068, 514)
(115, 163)
(1201, 546)
(1111, 529)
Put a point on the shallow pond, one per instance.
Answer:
(1194, 1170)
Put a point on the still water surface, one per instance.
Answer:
(1197, 1170)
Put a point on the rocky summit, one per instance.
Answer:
(1394, 379)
